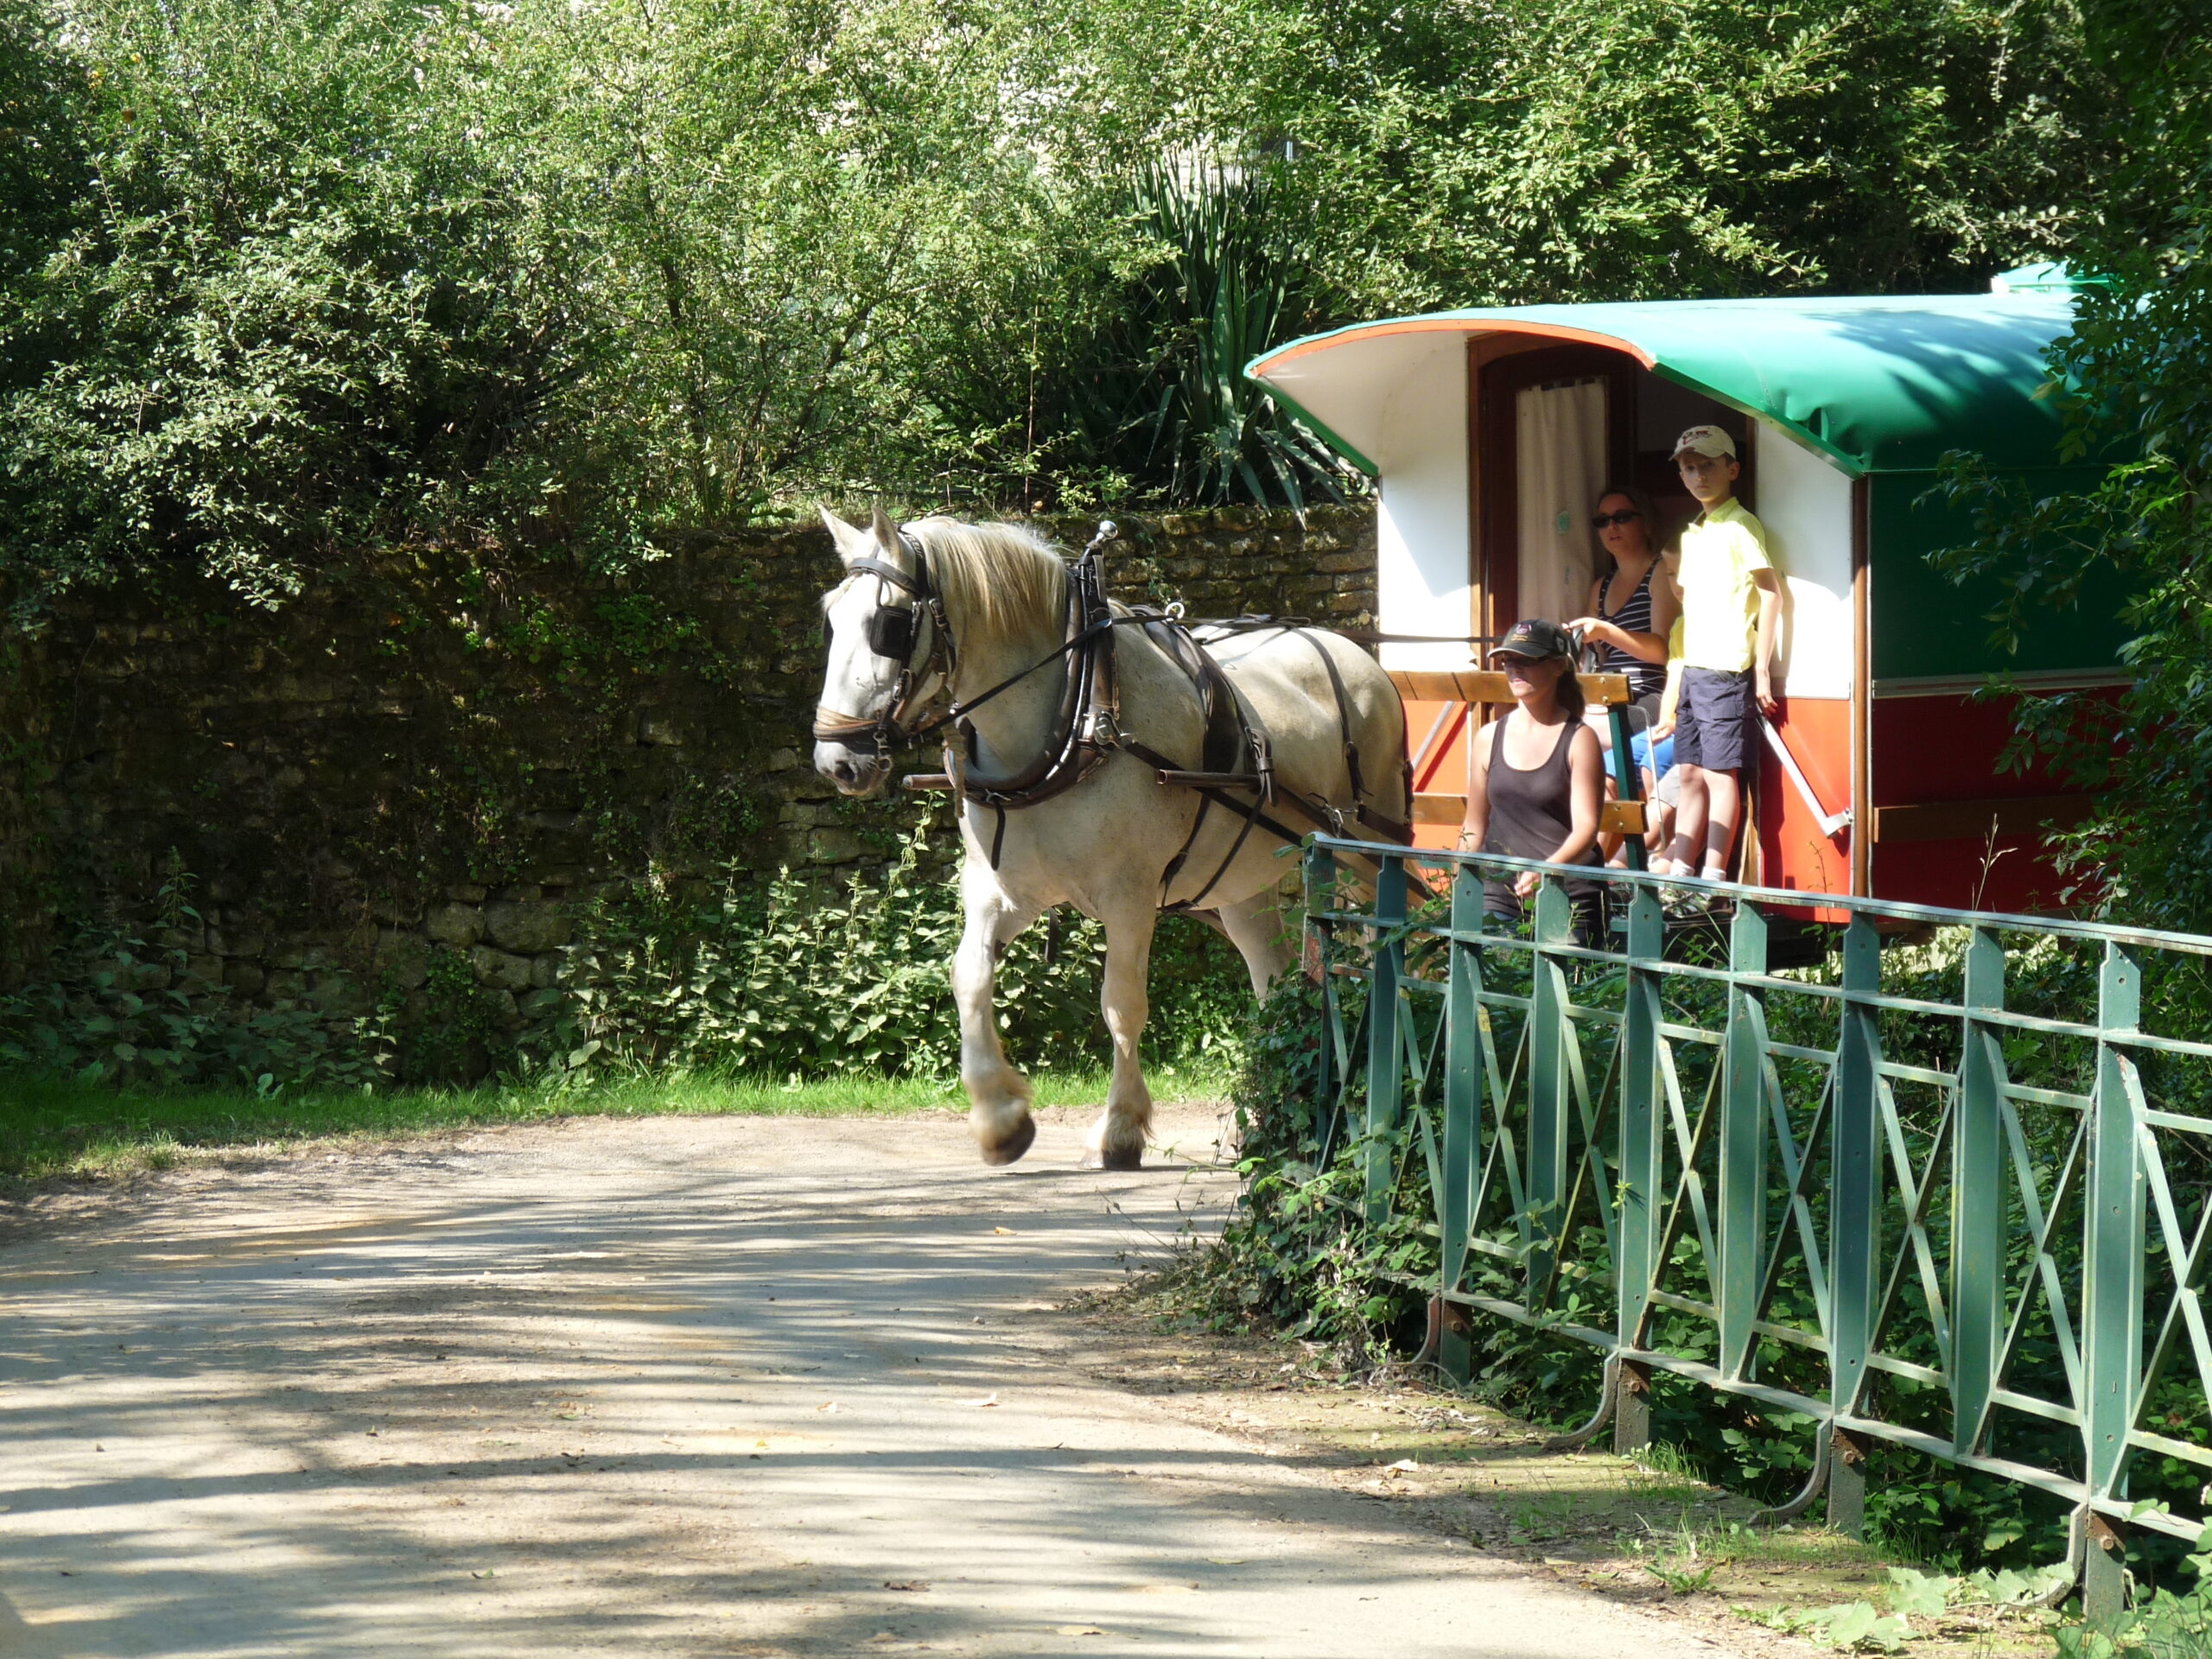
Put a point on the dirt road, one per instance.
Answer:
(669, 1387)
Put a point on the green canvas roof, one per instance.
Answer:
(1877, 384)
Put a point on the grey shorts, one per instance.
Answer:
(1713, 720)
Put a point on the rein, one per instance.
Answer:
(1087, 730)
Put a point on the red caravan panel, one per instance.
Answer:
(1795, 853)
(1930, 750)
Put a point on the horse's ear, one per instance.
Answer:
(851, 540)
(886, 533)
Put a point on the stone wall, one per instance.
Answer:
(449, 750)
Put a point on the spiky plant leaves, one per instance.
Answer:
(1159, 391)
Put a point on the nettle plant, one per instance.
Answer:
(799, 978)
(115, 1007)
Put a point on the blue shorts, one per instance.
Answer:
(1658, 760)
(1713, 719)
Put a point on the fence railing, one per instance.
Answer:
(1934, 1182)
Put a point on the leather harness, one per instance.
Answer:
(1236, 757)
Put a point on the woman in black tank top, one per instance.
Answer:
(1536, 776)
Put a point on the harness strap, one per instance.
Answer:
(1250, 812)
(1344, 714)
(1244, 834)
(1088, 725)
(917, 584)
(1389, 828)
(1175, 864)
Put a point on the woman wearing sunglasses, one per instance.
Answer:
(1536, 778)
(1631, 635)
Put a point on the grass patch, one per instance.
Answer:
(59, 1127)
(1648, 1530)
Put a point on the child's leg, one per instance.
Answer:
(1726, 797)
(1690, 821)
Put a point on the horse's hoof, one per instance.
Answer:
(1014, 1145)
(1131, 1158)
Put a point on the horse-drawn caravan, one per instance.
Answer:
(1113, 759)
(1491, 432)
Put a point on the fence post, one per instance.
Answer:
(1854, 1213)
(1643, 1172)
(2112, 1291)
(1743, 1146)
(2104, 1571)
(1463, 1134)
(1624, 779)
(1977, 1197)
(1550, 1103)
(1386, 1075)
(1321, 895)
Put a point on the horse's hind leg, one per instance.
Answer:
(1116, 1140)
(999, 1096)
(1254, 926)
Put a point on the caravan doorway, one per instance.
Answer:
(1554, 426)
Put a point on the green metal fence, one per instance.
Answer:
(1943, 1190)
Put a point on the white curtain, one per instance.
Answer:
(1560, 462)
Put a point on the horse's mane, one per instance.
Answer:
(999, 581)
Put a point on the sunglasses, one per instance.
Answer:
(1606, 520)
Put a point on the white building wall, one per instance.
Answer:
(1422, 578)
(1804, 501)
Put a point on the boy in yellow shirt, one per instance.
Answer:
(1731, 598)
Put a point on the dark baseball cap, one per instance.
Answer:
(1535, 638)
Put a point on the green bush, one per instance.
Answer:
(2161, 1625)
(802, 979)
(1296, 1251)
(1155, 390)
(795, 979)
(276, 280)
(115, 1008)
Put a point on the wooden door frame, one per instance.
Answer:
(1862, 695)
(1494, 458)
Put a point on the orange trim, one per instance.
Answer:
(1441, 326)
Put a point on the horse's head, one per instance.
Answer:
(883, 644)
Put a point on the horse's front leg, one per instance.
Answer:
(1116, 1140)
(999, 1096)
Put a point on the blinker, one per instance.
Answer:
(891, 632)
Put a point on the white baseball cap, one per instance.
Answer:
(1705, 441)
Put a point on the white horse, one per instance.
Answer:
(942, 614)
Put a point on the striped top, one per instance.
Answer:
(1633, 617)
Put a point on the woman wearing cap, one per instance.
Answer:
(1631, 635)
(1537, 777)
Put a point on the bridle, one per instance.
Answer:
(894, 632)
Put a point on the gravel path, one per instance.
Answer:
(672, 1387)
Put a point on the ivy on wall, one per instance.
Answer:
(411, 795)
